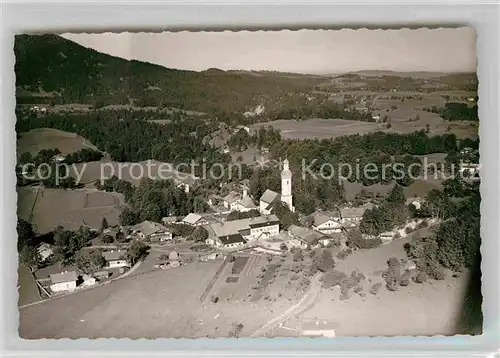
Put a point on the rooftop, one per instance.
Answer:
(269, 196)
(232, 197)
(321, 218)
(305, 234)
(247, 202)
(113, 255)
(236, 226)
(192, 218)
(63, 277)
(148, 227)
(232, 239)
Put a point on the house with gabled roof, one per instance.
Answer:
(152, 231)
(194, 219)
(64, 281)
(238, 232)
(115, 258)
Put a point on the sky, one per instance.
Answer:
(304, 51)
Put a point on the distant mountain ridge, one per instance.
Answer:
(51, 68)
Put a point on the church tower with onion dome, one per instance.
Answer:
(286, 185)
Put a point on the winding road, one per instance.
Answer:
(305, 302)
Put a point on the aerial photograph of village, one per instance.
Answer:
(312, 183)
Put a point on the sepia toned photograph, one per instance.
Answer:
(237, 184)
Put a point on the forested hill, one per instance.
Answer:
(51, 69)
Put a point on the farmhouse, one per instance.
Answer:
(237, 232)
(115, 258)
(64, 281)
(308, 237)
(269, 198)
(152, 231)
(194, 220)
(235, 201)
(326, 224)
(350, 215)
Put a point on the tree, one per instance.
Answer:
(104, 224)
(24, 233)
(30, 257)
(200, 234)
(397, 195)
(297, 255)
(324, 262)
(286, 217)
(137, 252)
(128, 217)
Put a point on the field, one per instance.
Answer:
(319, 128)
(418, 309)
(28, 291)
(69, 208)
(132, 172)
(164, 305)
(48, 138)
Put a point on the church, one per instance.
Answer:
(269, 198)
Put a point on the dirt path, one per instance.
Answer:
(306, 301)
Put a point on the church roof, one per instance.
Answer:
(269, 196)
(247, 202)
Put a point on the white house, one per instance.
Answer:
(115, 258)
(64, 281)
(267, 201)
(326, 224)
(235, 233)
(308, 237)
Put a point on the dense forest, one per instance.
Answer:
(51, 69)
(456, 111)
(344, 154)
(129, 139)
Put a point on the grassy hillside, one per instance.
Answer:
(51, 69)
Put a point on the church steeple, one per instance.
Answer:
(286, 185)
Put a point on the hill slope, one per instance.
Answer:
(51, 69)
